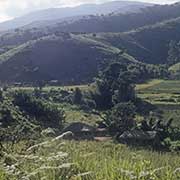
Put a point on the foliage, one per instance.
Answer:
(114, 85)
(120, 118)
(14, 124)
(45, 112)
(77, 97)
(174, 52)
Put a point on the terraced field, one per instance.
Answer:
(165, 94)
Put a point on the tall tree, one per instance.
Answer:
(77, 98)
(174, 52)
(115, 85)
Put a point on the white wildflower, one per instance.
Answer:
(177, 170)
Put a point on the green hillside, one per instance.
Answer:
(114, 22)
(149, 44)
(67, 58)
(48, 53)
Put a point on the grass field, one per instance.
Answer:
(48, 88)
(165, 94)
(74, 114)
(109, 161)
(160, 86)
(148, 84)
(71, 160)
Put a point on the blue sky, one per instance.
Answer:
(13, 8)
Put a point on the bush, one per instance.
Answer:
(171, 145)
(77, 97)
(14, 124)
(121, 118)
(175, 146)
(90, 103)
(43, 111)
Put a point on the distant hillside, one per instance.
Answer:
(149, 44)
(107, 23)
(47, 53)
(67, 58)
(41, 17)
(120, 22)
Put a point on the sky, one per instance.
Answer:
(14, 8)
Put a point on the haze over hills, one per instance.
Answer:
(121, 22)
(63, 13)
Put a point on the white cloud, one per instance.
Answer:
(13, 8)
(4, 17)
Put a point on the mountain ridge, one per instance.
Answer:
(67, 12)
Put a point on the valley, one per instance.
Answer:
(91, 92)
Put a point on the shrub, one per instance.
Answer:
(90, 103)
(121, 117)
(175, 146)
(77, 97)
(45, 112)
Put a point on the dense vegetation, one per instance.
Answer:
(82, 163)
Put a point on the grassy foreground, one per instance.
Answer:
(110, 161)
(93, 161)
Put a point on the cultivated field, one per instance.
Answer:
(165, 94)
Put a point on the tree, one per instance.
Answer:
(46, 113)
(77, 98)
(114, 85)
(1, 95)
(174, 52)
(121, 117)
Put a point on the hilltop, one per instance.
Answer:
(46, 16)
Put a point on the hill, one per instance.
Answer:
(146, 22)
(149, 44)
(117, 22)
(47, 53)
(42, 16)
(67, 58)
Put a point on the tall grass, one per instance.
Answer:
(90, 161)
(109, 161)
